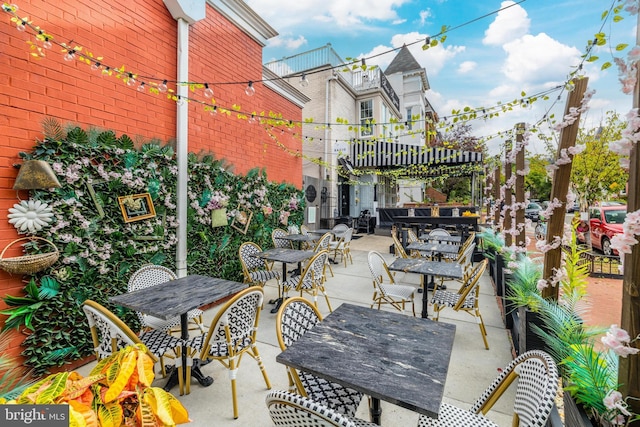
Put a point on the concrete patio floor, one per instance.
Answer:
(471, 370)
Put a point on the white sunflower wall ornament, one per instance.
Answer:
(29, 216)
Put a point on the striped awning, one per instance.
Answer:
(380, 154)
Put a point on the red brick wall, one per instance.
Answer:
(142, 36)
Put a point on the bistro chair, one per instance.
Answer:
(292, 410)
(110, 334)
(537, 382)
(385, 289)
(304, 230)
(465, 299)
(311, 280)
(342, 246)
(232, 334)
(412, 237)
(256, 271)
(399, 249)
(151, 275)
(323, 245)
(340, 228)
(439, 232)
(295, 317)
(278, 241)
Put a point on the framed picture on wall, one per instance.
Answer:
(136, 207)
(242, 220)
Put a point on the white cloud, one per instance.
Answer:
(538, 60)
(432, 59)
(399, 21)
(285, 14)
(287, 42)
(424, 15)
(467, 67)
(509, 24)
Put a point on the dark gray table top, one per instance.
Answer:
(170, 299)
(442, 248)
(443, 238)
(298, 237)
(323, 231)
(285, 255)
(451, 270)
(389, 356)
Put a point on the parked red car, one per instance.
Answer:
(604, 223)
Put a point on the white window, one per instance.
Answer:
(409, 119)
(366, 118)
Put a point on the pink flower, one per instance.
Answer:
(618, 340)
(619, 334)
(613, 401)
(612, 398)
(542, 284)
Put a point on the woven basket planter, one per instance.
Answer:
(29, 264)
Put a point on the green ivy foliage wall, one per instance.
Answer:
(99, 250)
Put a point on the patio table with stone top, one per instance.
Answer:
(386, 355)
(429, 269)
(434, 248)
(441, 238)
(285, 256)
(176, 298)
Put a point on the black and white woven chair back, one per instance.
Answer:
(339, 228)
(112, 334)
(412, 237)
(316, 267)
(278, 241)
(150, 275)
(475, 273)
(291, 410)
(537, 376)
(378, 268)
(147, 276)
(324, 242)
(296, 316)
(439, 232)
(108, 332)
(241, 318)
(248, 252)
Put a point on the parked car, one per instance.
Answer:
(532, 211)
(605, 221)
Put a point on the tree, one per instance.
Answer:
(458, 137)
(537, 182)
(596, 173)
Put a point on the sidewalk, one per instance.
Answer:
(471, 370)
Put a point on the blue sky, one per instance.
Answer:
(531, 46)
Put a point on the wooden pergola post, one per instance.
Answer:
(560, 188)
(521, 236)
(629, 368)
(508, 193)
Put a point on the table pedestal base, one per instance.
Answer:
(375, 410)
(278, 303)
(196, 373)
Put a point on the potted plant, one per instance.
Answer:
(522, 302)
(493, 245)
(117, 392)
(589, 375)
